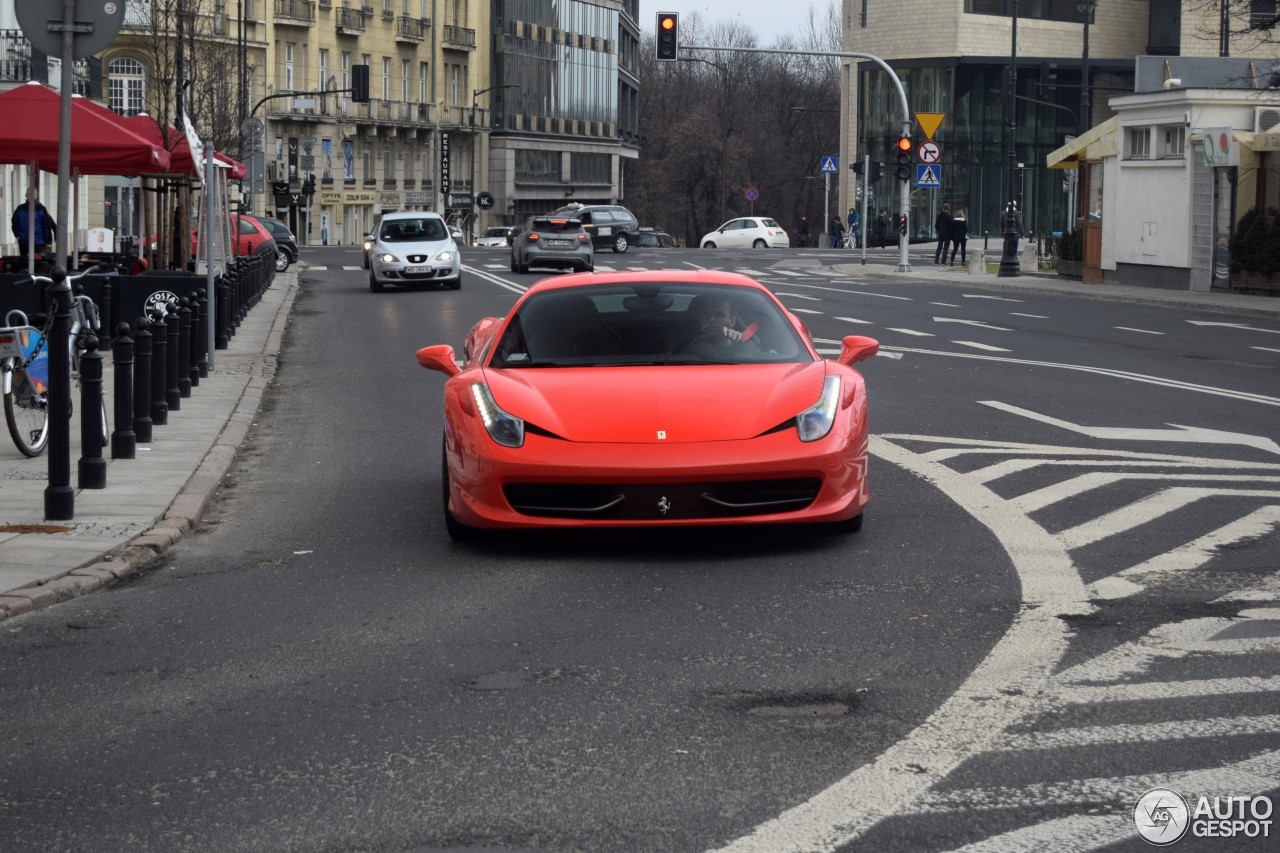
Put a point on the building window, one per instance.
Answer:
(404, 80)
(288, 67)
(1173, 142)
(366, 165)
(591, 168)
(127, 86)
(537, 166)
(422, 82)
(1139, 143)
(386, 78)
(388, 165)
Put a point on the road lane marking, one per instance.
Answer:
(804, 311)
(1032, 316)
(846, 291)
(977, 345)
(979, 323)
(913, 332)
(1148, 509)
(1179, 433)
(1265, 349)
(799, 296)
(996, 298)
(1139, 331)
(1146, 691)
(1240, 326)
(1130, 733)
(944, 304)
(1039, 499)
(855, 320)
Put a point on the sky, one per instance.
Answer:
(766, 18)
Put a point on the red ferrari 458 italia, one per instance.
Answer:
(650, 398)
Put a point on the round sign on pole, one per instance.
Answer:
(105, 17)
(929, 152)
(751, 193)
(484, 200)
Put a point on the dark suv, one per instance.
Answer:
(610, 226)
(286, 245)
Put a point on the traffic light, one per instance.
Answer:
(902, 224)
(360, 84)
(876, 169)
(668, 35)
(856, 167)
(903, 148)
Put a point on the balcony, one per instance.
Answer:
(349, 22)
(299, 13)
(457, 38)
(411, 30)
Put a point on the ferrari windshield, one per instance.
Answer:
(649, 323)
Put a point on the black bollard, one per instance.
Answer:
(193, 364)
(91, 471)
(59, 497)
(124, 441)
(184, 347)
(202, 350)
(222, 313)
(142, 382)
(172, 393)
(159, 362)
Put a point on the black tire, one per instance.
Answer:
(374, 284)
(455, 284)
(759, 244)
(708, 245)
(457, 531)
(282, 260)
(620, 244)
(514, 266)
(849, 525)
(589, 268)
(27, 415)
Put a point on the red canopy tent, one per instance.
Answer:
(101, 143)
(181, 162)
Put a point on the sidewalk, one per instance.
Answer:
(152, 500)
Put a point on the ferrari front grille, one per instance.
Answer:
(657, 502)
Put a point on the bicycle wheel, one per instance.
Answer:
(27, 414)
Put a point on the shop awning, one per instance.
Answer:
(1094, 144)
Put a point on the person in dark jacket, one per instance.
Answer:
(959, 237)
(942, 225)
(802, 232)
(882, 228)
(836, 229)
(44, 224)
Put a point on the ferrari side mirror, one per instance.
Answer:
(856, 348)
(439, 357)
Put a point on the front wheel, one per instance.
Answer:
(282, 260)
(457, 531)
(27, 414)
(620, 244)
(708, 245)
(374, 284)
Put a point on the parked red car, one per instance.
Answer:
(248, 236)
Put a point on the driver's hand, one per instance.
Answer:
(732, 334)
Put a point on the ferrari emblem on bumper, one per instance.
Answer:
(664, 505)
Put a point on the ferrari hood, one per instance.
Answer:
(658, 404)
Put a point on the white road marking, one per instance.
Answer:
(751, 273)
(913, 332)
(996, 298)
(790, 273)
(352, 269)
(978, 323)
(1032, 316)
(493, 279)
(1139, 331)
(1241, 326)
(1142, 511)
(944, 304)
(1265, 349)
(805, 311)
(977, 345)
(1146, 691)
(854, 320)
(799, 296)
(1050, 495)
(1264, 724)
(846, 291)
(1001, 690)
(495, 266)
(1199, 435)
(1189, 556)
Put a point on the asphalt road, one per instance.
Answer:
(1064, 594)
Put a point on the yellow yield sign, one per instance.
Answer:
(930, 122)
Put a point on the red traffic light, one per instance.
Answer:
(904, 143)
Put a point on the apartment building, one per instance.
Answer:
(957, 62)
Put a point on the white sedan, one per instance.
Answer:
(749, 232)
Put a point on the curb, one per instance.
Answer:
(185, 511)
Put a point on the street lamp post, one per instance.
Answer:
(471, 184)
(1009, 260)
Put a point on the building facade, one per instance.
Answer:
(959, 66)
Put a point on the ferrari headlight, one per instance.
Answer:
(388, 258)
(503, 428)
(815, 422)
(445, 256)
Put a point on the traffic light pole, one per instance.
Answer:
(904, 264)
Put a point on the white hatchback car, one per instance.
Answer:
(412, 247)
(495, 236)
(749, 232)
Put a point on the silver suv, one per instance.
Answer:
(551, 241)
(611, 226)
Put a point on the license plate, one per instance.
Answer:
(419, 270)
(559, 244)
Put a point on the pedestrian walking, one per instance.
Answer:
(837, 231)
(33, 225)
(802, 232)
(882, 228)
(959, 237)
(942, 227)
(855, 228)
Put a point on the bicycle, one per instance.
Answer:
(24, 361)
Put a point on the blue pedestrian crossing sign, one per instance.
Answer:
(928, 176)
(830, 164)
